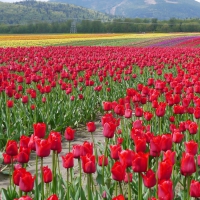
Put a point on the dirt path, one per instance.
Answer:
(80, 136)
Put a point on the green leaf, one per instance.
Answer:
(4, 195)
(99, 179)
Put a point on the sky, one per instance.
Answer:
(45, 0)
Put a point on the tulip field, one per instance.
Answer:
(147, 97)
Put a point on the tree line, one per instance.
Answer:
(126, 25)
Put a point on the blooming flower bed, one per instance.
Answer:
(150, 106)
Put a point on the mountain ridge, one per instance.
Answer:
(160, 9)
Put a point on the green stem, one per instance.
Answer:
(185, 189)
(160, 125)
(36, 178)
(42, 180)
(105, 153)
(129, 188)
(20, 193)
(54, 172)
(157, 177)
(115, 188)
(120, 186)
(69, 146)
(12, 170)
(88, 186)
(188, 187)
(58, 163)
(68, 183)
(139, 186)
(80, 180)
(95, 152)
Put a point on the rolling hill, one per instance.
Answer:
(25, 12)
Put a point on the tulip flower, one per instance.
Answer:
(69, 134)
(55, 141)
(102, 159)
(25, 198)
(139, 163)
(164, 170)
(119, 197)
(43, 147)
(171, 155)
(47, 174)
(10, 103)
(6, 159)
(165, 190)
(126, 157)
(166, 142)
(149, 178)
(26, 182)
(39, 129)
(24, 140)
(109, 130)
(11, 148)
(53, 197)
(188, 166)
(88, 163)
(191, 147)
(118, 171)
(115, 150)
(195, 189)
(68, 160)
(91, 127)
(23, 155)
(17, 174)
(155, 146)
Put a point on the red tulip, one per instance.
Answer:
(68, 160)
(24, 140)
(155, 146)
(139, 163)
(88, 163)
(78, 150)
(55, 141)
(128, 113)
(6, 158)
(195, 189)
(119, 197)
(26, 182)
(138, 112)
(119, 110)
(91, 127)
(23, 155)
(193, 128)
(160, 110)
(191, 147)
(188, 165)
(120, 140)
(128, 177)
(53, 197)
(149, 179)
(115, 150)
(47, 174)
(17, 174)
(165, 190)
(10, 103)
(25, 198)
(140, 144)
(69, 133)
(39, 129)
(11, 148)
(148, 116)
(107, 106)
(118, 171)
(177, 136)
(126, 157)
(43, 147)
(109, 130)
(166, 142)
(171, 155)
(102, 159)
(24, 99)
(164, 170)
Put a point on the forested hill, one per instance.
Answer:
(160, 9)
(32, 12)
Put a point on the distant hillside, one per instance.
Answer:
(160, 9)
(32, 11)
